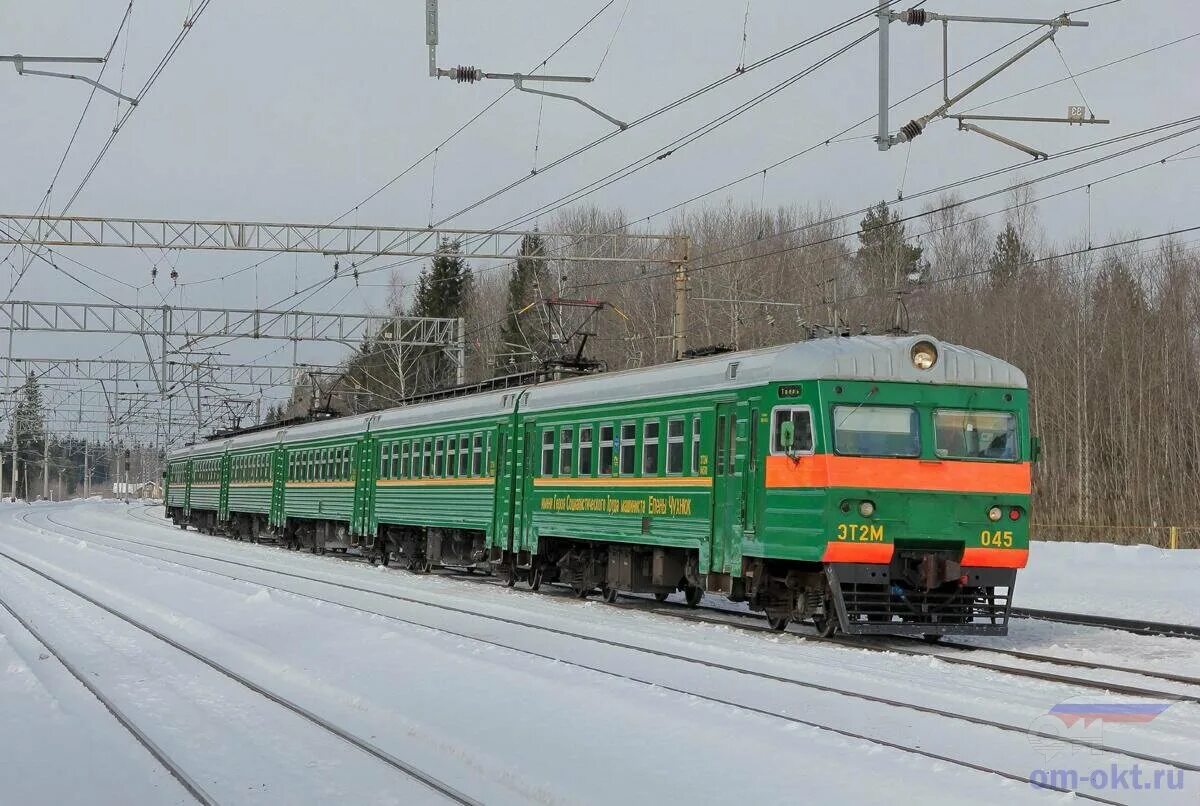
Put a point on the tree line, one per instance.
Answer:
(65, 460)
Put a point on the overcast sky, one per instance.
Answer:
(295, 111)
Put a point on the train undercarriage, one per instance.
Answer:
(922, 591)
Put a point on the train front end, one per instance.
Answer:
(906, 473)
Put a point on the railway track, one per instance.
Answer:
(442, 788)
(886, 644)
(161, 756)
(1027, 731)
(1126, 625)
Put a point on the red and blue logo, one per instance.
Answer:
(1071, 713)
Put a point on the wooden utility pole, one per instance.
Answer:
(679, 320)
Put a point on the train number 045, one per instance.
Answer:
(997, 539)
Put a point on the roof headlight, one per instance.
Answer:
(924, 355)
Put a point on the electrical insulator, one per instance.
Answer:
(174, 276)
(335, 267)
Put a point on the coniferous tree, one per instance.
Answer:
(29, 420)
(1008, 256)
(522, 339)
(885, 257)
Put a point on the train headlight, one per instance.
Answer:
(924, 355)
(995, 513)
(866, 509)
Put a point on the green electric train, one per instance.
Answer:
(871, 484)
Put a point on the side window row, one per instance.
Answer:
(456, 456)
(616, 449)
(255, 468)
(321, 464)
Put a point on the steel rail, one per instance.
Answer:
(177, 772)
(1111, 622)
(362, 744)
(634, 647)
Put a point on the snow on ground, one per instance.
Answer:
(1138, 582)
(444, 674)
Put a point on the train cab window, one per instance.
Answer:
(427, 460)
(477, 455)
(548, 452)
(802, 437)
(566, 440)
(464, 454)
(695, 445)
(674, 446)
(975, 435)
(606, 450)
(628, 449)
(585, 450)
(650, 430)
(439, 453)
(876, 431)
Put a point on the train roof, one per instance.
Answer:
(864, 358)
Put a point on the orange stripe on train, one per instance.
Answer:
(829, 470)
(858, 553)
(995, 558)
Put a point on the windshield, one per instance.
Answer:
(975, 435)
(876, 431)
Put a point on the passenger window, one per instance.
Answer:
(477, 455)
(628, 448)
(566, 440)
(585, 450)
(606, 450)
(650, 448)
(548, 452)
(675, 446)
(720, 445)
(451, 455)
(731, 457)
(439, 466)
(427, 460)
(696, 445)
(404, 469)
(463, 455)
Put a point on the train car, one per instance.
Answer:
(868, 484)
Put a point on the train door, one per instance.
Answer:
(223, 465)
(523, 491)
(502, 467)
(364, 463)
(279, 473)
(187, 489)
(726, 488)
(752, 468)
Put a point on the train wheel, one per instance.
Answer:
(932, 638)
(661, 596)
(535, 577)
(609, 594)
(693, 595)
(826, 624)
(778, 623)
(580, 591)
(510, 576)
